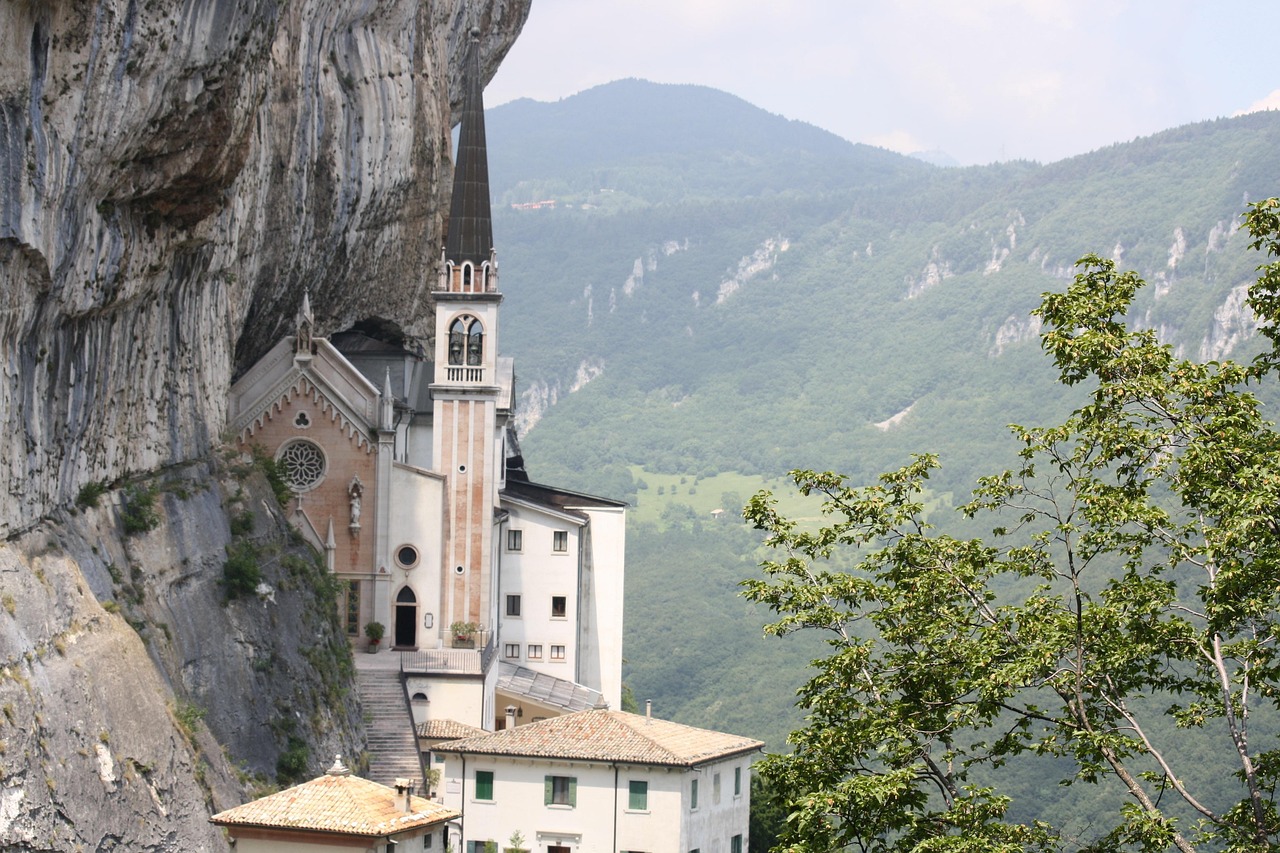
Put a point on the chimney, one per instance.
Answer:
(648, 711)
(511, 716)
(404, 790)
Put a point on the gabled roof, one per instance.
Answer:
(603, 735)
(545, 689)
(447, 729)
(337, 802)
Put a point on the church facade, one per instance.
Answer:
(406, 474)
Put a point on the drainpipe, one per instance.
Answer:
(615, 807)
(462, 806)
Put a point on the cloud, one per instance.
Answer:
(1270, 102)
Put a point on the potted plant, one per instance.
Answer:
(464, 634)
(374, 631)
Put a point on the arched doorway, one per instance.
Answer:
(406, 633)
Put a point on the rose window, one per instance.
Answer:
(303, 465)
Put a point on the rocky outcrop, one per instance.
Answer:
(135, 698)
(173, 176)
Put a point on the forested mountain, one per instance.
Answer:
(718, 294)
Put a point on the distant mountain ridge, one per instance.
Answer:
(718, 289)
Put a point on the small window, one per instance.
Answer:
(638, 796)
(535, 651)
(693, 795)
(302, 420)
(513, 605)
(737, 781)
(560, 791)
(426, 841)
(735, 844)
(557, 652)
(715, 788)
(406, 556)
(484, 784)
(558, 606)
(511, 651)
(515, 540)
(560, 541)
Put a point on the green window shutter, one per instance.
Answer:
(484, 784)
(737, 781)
(547, 790)
(638, 800)
(573, 790)
(693, 796)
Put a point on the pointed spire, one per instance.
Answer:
(306, 323)
(387, 421)
(470, 220)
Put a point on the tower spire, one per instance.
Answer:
(470, 220)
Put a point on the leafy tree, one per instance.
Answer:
(1126, 602)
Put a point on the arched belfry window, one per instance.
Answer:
(457, 340)
(475, 344)
(467, 271)
(466, 342)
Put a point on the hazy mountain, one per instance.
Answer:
(719, 294)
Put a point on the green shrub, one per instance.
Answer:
(89, 494)
(140, 509)
(292, 763)
(241, 573)
(242, 523)
(274, 473)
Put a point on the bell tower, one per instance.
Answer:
(466, 440)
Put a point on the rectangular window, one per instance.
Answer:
(737, 781)
(715, 788)
(735, 844)
(638, 796)
(560, 541)
(515, 540)
(426, 841)
(559, 606)
(557, 652)
(513, 605)
(484, 784)
(353, 608)
(511, 650)
(535, 651)
(693, 795)
(560, 790)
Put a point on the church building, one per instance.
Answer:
(406, 475)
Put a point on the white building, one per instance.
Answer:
(602, 781)
(406, 474)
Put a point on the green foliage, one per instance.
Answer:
(188, 717)
(241, 573)
(140, 513)
(274, 473)
(242, 523)
(1132, 581)
(291, 765)
(374, 631)
(90, 494)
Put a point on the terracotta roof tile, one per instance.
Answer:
(603, 735)
(336, 803)
(447, 729)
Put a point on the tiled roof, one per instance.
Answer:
(545, 689)
(447, 729)
(603, 735)
(339, 803)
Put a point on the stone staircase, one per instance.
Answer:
(393, 746)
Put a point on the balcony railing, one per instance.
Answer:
(456, 661)
(464, 374)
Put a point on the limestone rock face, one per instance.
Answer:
(135, 699)
(173, 176)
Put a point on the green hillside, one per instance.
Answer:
(719, 295)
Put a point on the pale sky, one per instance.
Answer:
(982, 80)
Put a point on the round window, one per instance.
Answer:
(303, 465)
(407, 556)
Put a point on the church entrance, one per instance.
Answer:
(406, 633)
